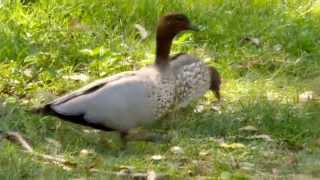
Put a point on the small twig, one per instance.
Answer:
(16, 138)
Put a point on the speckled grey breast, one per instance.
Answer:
(192, 78)
(161, 91)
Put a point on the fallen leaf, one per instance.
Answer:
(142, 31)
(232, 145)
(217, 107)
(76, 77)
(157, 157)
(85, 152)
(27, 72)
(126, 169)
(204, 153)
(176, 150)
(91, 131)
(253, 40)
(277, 47)
(248, 128)
(86, 51)
(262, 137)
(199, 109)
(275, 171)
(152, 175)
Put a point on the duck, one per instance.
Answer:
(134, 98)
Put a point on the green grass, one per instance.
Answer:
(43, 42)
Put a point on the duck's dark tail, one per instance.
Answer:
(77, 119)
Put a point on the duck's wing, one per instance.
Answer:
(78, 117)
(92, 87)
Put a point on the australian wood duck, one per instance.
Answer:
(130, 99)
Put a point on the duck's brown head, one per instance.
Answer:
(168, 27)
(215, 82)
(173, 23)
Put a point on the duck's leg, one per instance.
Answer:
(124, 139)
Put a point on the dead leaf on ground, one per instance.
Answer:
(199, 108)
(248, 128)
(232, 145)
(28, 72)
(152, 175)
(251, 40)
(176, 150)
(277, 47)
(262, 137)
(157, 157)
(76, 77)
(86, 152)
(125, 168)
(204, 153)
(142, 31)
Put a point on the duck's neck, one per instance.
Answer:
(163, 50)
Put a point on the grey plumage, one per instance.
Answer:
(123, 101)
